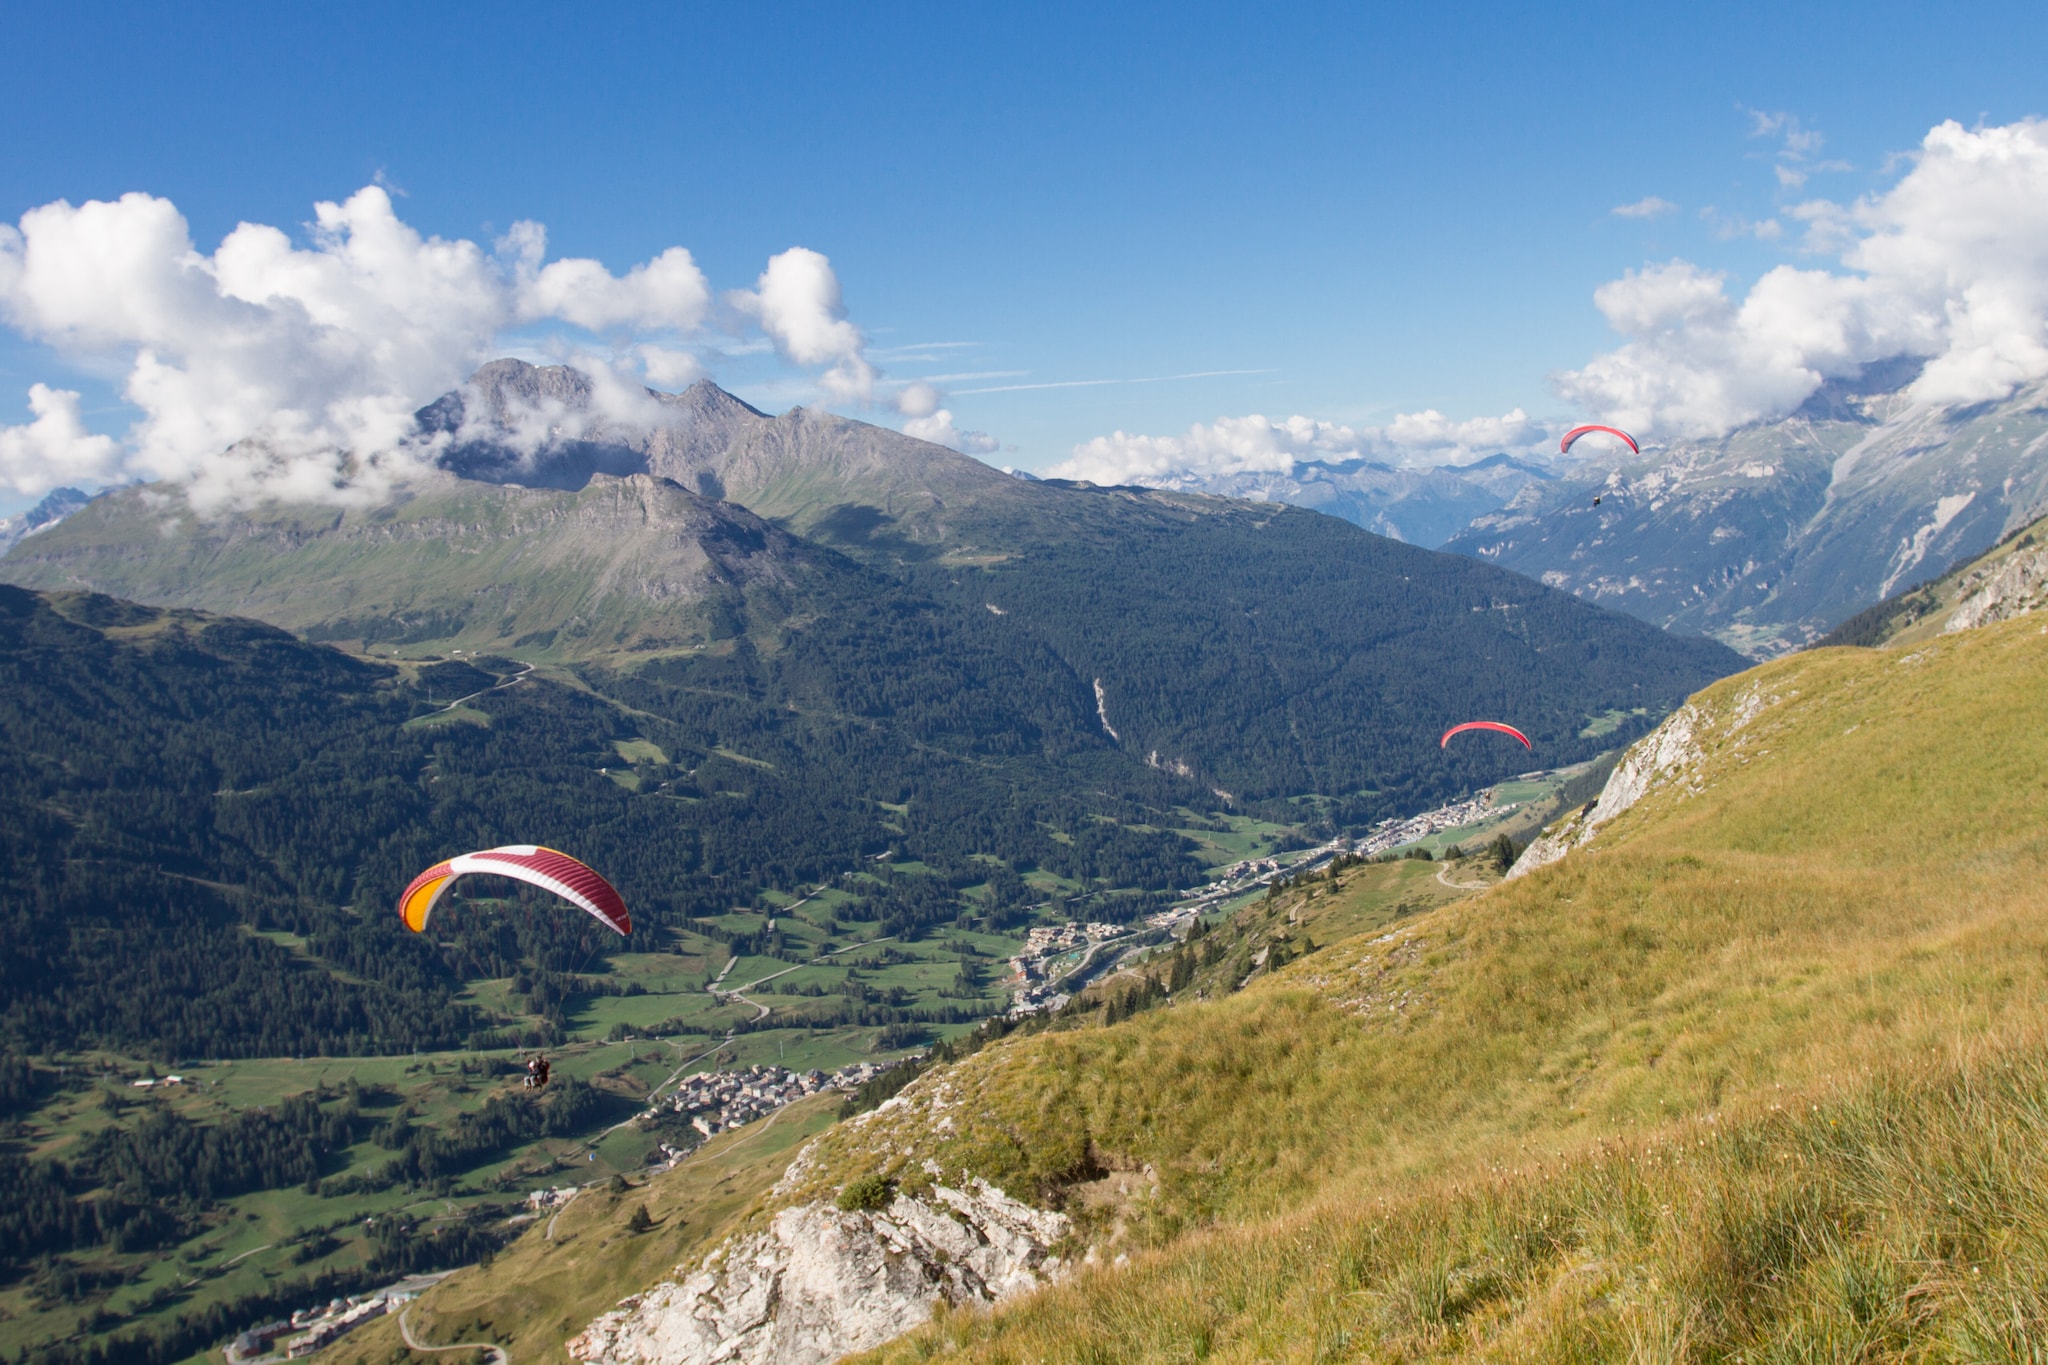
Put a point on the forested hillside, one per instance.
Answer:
(1251, 651)
(180, 786)
(1271, 651)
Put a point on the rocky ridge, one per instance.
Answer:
(2017, 587)
(820, 1282)
(1671, 756)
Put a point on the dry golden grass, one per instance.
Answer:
(1840, 901)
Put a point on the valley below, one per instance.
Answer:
(1032, 956)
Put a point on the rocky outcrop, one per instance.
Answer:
(820, 1282)
(2015, 588)
(1673, 752)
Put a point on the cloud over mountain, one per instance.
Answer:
(1950, 264)
(1256, 444)
(279, 368)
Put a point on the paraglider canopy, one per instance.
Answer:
(545, 868)
(1505, 729)
(1564, 446)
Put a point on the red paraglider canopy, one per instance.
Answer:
(1564, 446)
(1445, 742)
(546, 868)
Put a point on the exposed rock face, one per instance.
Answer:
(846, 481)
(1673, 752)
(2018, 586)
(58, 504)
(821, 1282)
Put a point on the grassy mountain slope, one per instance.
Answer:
(1834, 904)
(1757, 1073)
(631, 562)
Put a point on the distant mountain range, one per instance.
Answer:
(1251, 650)
(1771, 535)
(1764, 538)
(1421, 506)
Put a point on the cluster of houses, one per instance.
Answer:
(1394, 833)
(718, 1100)
(1248, 869)
(1034, 990)
(309, 1329)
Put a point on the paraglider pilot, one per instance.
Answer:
(536, 1071)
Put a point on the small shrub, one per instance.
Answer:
(865, 1195)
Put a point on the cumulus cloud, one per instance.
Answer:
(668, 368)
(54, 447)
(1949, 264)
(938, 428)
(798, 302)
(1261, 445)
(290, 368)
(1648, 207)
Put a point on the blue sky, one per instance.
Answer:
(1361, 210)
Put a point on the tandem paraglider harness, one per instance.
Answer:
(536, 1073)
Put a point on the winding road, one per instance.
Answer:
(1443, 868)
(499, 1355)
(525, 668)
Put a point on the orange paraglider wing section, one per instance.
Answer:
(547, 868)
(1495, 725)
(419, 898)
(1564, 446)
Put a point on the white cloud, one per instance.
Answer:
(798, 303)
(55, 448)
(1430, 430)
(1260, 445)
(276, 367)
(1650, 207)
(668, 291)
(937, 427)
(1950, 263)
(918, 399)
(667, 368)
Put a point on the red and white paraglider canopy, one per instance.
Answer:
(1499, 726)
(573, 881)
(1564, 446)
